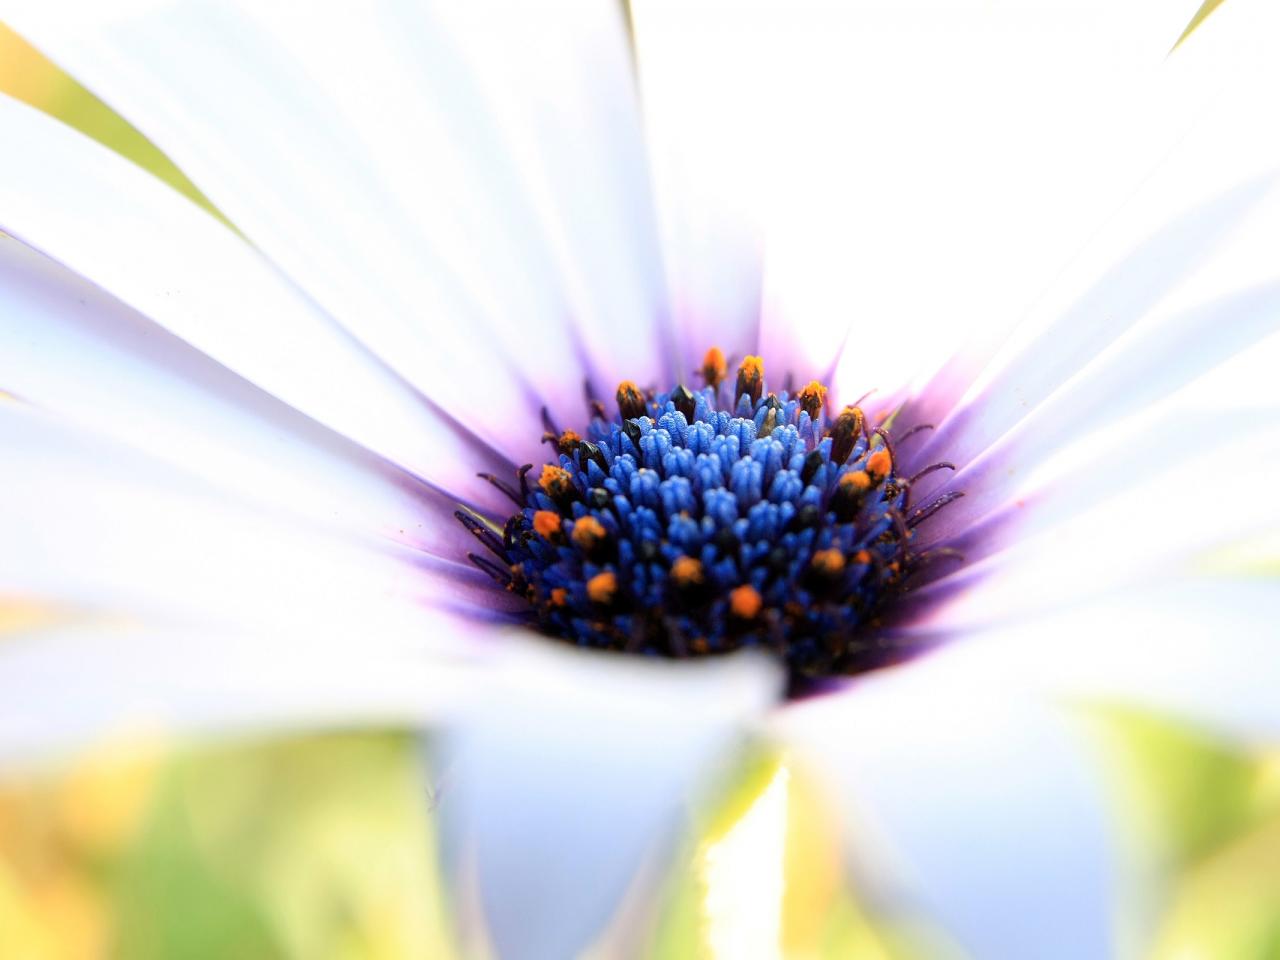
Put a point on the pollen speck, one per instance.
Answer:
(750, 378)
(603, 587)
(687, 571)
(714, 367)
(559, 597)
(745, 602)
(556, 483)
(829, 561)
(879, 464)
(856, 481)
(588, 532)
(812, 399)
(546, 523)
(845, 433)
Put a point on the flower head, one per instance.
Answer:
(241, 464)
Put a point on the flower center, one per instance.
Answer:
(698, 522)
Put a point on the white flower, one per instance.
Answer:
(233, 459)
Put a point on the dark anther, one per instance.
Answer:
(726, 542)
(685, 401)
(812, 399)
(806, 517)
(593, 453)
(523, 475)
(812, 463)
(940, 465)
(750, 379)
(599, 498)
(630, 401)
(632, 430)
(925, 512)
(482, 533)
(648, 551)
(845, 433)
(499, 574)
(847, 498)
(504, 487)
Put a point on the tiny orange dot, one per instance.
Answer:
(602, 587)
(828, 561)
(588, 531)
(862, 556)
(745, 602)
(559, 596)
(812, 398)
(714, 366)
(554, 479)
(686, 570)
(546, 523)
(856, 480)
(752, 367)
(879, 463)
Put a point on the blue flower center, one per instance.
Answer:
(698, 522)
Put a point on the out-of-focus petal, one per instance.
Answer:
(74, 351)
(970, 800)
(463, 189)
(578, 768)
(72, 686)
(94, 525)
(118, 227)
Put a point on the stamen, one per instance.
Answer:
(813, 399)
(845, 433)
(630, 401)
(714, 368)
(750, 379)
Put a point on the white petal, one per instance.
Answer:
(1216, 184)
(578, 767)
(969, 801)
(75, 351)
(1127, 510)
(70, 687)
(461, 188)
(94, 525)
(1197, 648)
(124, 231)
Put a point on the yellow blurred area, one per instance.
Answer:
(1200, 825)
(27, 75)
(764, 877)
(308, 847)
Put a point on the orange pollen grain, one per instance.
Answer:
(752, 367)
(857, 479)
(686, 570)
(745, 602)
(559, 597)
(588, 531)
(546, 523)
(602, 587)
(553, 479)
(828, 561)
(570, 438)
(714, 366)
(862, 556)
(880, 463)
(812, 398)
